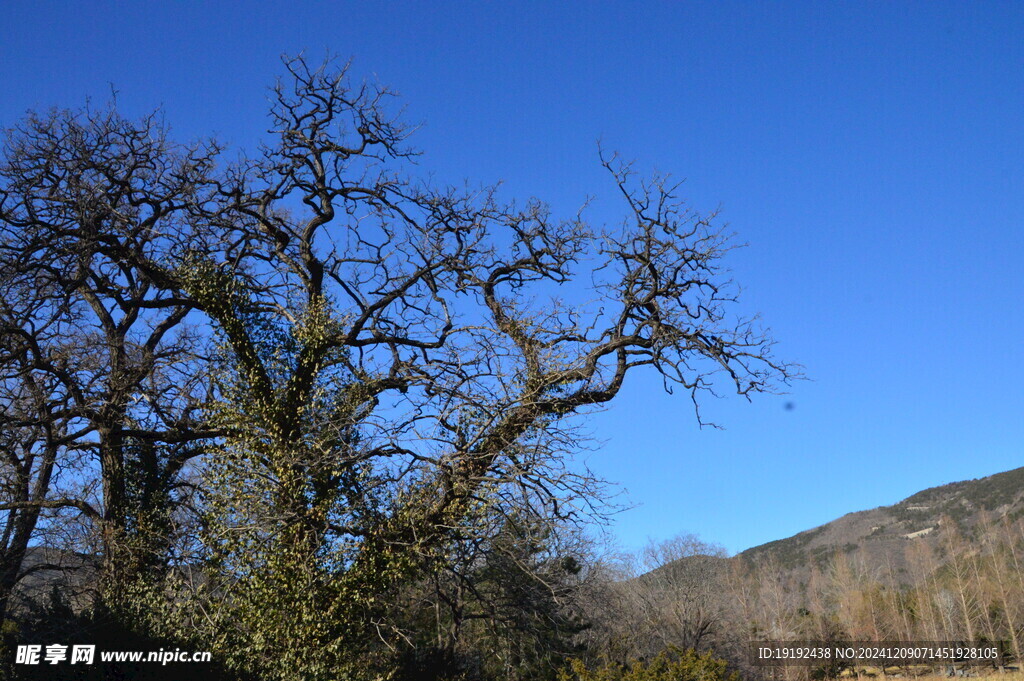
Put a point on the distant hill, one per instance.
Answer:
(882, 533)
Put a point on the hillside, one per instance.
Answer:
(882, 533)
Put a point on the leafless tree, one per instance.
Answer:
(672, 594)
(382, 362)
(100, 356)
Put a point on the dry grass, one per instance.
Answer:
(974, 672)
(981, 672)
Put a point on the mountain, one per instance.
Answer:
(881, 534)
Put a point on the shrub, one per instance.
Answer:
(670, 665)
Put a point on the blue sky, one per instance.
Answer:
(869, 154)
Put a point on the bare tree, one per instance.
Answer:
(960, 555)
(683, 590)
(386, 362)
(38, 425)
(672, 594)
(424, 310)
(31, 434)
(105, 357)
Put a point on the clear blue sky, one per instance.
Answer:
(869, 153)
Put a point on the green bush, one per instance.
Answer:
(670, 665)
